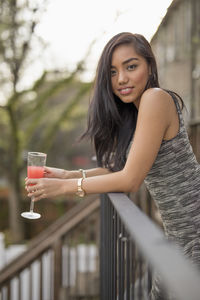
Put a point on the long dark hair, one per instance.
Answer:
(111, 123)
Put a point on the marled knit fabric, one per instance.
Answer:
(174, 183)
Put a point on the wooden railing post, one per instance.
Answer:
(57, 268)
(48, 242)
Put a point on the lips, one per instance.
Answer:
(125, 90)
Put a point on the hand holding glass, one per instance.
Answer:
(35, 169)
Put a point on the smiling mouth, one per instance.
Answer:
(125, 91)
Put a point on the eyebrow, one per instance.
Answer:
(127, 61)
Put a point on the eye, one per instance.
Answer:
(132, 67)
(112, 72)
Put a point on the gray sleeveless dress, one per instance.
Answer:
(174, 183)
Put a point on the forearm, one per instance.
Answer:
(112, 182)
(88, 173)
(97, 172)
(52, 187)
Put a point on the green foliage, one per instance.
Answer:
(26, 113)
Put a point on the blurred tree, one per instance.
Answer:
(22, 108)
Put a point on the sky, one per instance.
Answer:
(69, 27)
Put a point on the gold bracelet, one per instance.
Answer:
(80, 192)
(83, 173)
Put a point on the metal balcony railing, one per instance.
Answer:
(132, 246)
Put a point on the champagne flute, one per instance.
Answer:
(35, 169)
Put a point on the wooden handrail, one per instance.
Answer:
(61, 221)
(49, 237)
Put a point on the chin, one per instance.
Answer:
(128, 100)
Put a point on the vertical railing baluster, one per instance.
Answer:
(111, 251)
(118, 259)
(120, 266)
(19, 286)
(107, 250)
(149, 280)
(139, 278)
(30, 283)
(51, 253)
(102, 249)
(108, 266)
(128, 282)
(136, 268)
(117, 255)
(69, 269)
(114, 254)
(104, 261)
(3, 292)
(41, 278)
(57, 268)
(123, 261)
(8, 290)
(77, 269)
(110, 247)
(86, 287)
(133, 269)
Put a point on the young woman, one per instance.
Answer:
(138, 132)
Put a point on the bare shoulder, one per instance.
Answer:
(157, 100)
(156, 95)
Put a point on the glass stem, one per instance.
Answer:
(32, 204)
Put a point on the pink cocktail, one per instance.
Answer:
(35, 172)
(35, 169)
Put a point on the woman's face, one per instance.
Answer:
(129, 74)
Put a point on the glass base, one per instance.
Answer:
(30, 215)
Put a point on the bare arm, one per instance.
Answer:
(97, 172)
(65, 174)
(154, 119)
(153, 122)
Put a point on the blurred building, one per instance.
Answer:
(176, 45)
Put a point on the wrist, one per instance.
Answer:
(83, 173)
(64, 174)
(78, 173)
(69, 186)
(74, 174)
(80, 191)
(70, 174)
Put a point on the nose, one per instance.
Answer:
(122, 77)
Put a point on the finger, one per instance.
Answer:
(34, 192)
(38, 196)
(47, 175)
(47, 170)
(31, 188)
(35, 198)
(31, 192)
(31, 181)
